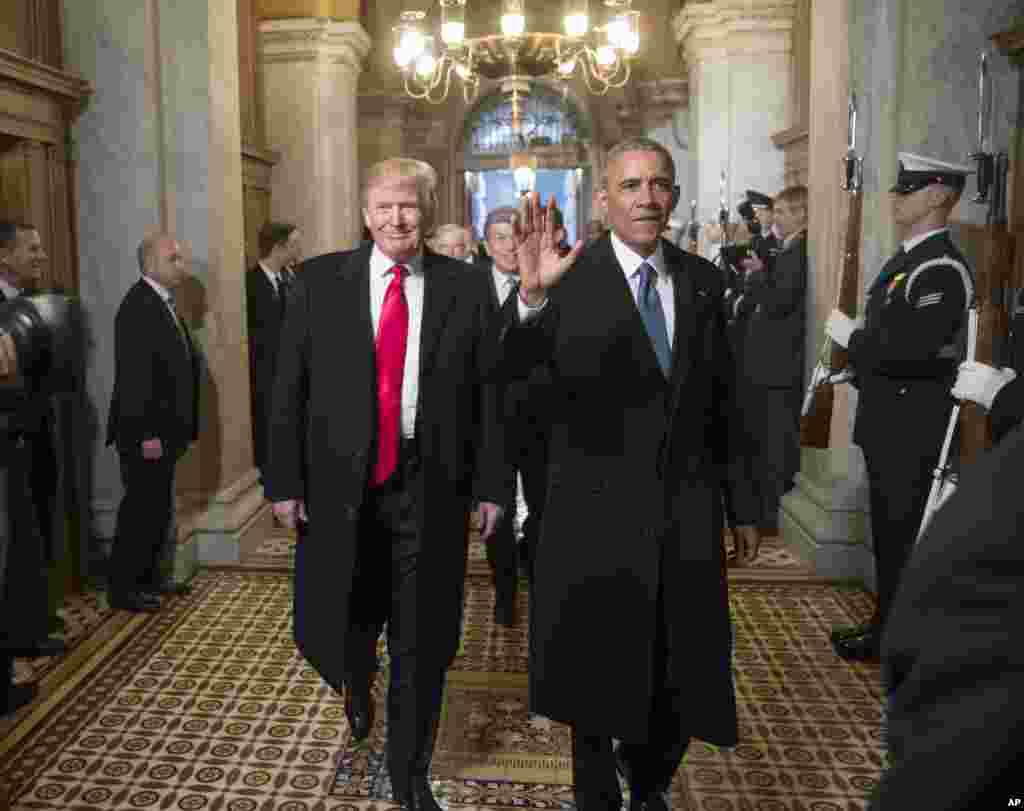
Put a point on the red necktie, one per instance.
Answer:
(392, 335)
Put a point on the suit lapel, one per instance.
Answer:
(686, 309)
(438, 297)
(622, 305)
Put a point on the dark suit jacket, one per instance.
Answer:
(773, 315)
(323, 444)
(1008, 408)
(156, 378)
(524, 407)
(264, 316)
(953, 649)
(636, 465)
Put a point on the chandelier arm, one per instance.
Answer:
(409, 88)
(588, 69)
(444, 71)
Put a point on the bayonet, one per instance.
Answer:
(853, 166)
(983, 154)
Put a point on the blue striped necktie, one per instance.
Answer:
(653, 316)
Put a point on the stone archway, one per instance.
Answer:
(569, 151)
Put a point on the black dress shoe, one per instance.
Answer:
(863, 648)
(17, 696)
(169, 589)
(505, 615)
(655, 801)
(359, 711)
(136, 602)
(51, 646)
(850, 631)
(420, 797)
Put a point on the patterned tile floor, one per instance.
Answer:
(208, 705)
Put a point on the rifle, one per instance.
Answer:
(995, 296)
(985, 318)
(832, 366)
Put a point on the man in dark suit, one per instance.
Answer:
(770, 318)
(382, 437)
(29, 459)
(953, 650)
(631, 636)
(905, 358)
(153, 419)
(266, 289)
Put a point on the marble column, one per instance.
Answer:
(159, 149)
(738, 56)
(310, 73)
(825, 516)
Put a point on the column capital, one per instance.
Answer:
(312, 39)
(723, 27)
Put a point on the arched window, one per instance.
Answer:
(546, 118)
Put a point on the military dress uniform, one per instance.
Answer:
(905, 359)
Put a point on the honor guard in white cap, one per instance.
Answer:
(904, 353)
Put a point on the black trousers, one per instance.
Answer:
(143, 521)
(773, 419)
(528, 451)
(24, 597)
(385, 589)
(652, 763)
(899, 481)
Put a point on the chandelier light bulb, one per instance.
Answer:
(513, 25)
(425, 65)
(624, 32)
(412, 43)
(402, 57)
(605, 56)
(453, 33)
(462, 71)
(567, 67)
(576, 25)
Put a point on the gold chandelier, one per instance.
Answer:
(601, 52)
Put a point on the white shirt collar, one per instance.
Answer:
(9, 289)
(273, 276)
(630, 260)
(501, 279)
(162, 291)
(913, 242)
(381, 264)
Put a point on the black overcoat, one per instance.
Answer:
(953, 649)
(264, 311)
(636, 465)
(322, 444)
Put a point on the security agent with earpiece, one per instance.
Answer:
(905, 357)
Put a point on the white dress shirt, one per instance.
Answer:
(275, 278)
(166, 296)
(503, 284)
(913, 242)
(380, 279)
(10, 291)
(629, 262)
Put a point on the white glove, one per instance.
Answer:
(980, 383)
(839, 327)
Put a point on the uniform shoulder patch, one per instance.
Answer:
(942, 261)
